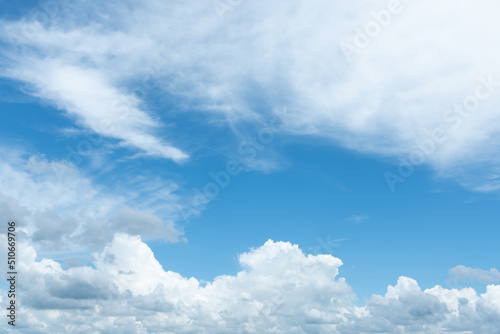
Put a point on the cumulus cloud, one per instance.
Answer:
(405, 308)
(279, 290)
(127, 282)
(406, 86)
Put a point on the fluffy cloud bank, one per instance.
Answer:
(279, 290)
(396, 78)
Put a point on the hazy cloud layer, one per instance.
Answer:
(62, 209)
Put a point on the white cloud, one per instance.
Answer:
(96, 104)
(394, 98)
(245, 66)
(129, 283)
(463, 273)
(279, 290)
(62, 209)
(358, 218)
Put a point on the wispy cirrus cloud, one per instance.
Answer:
(246, 65)
(64, 210)
(87, 96)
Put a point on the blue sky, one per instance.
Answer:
(221, 139)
